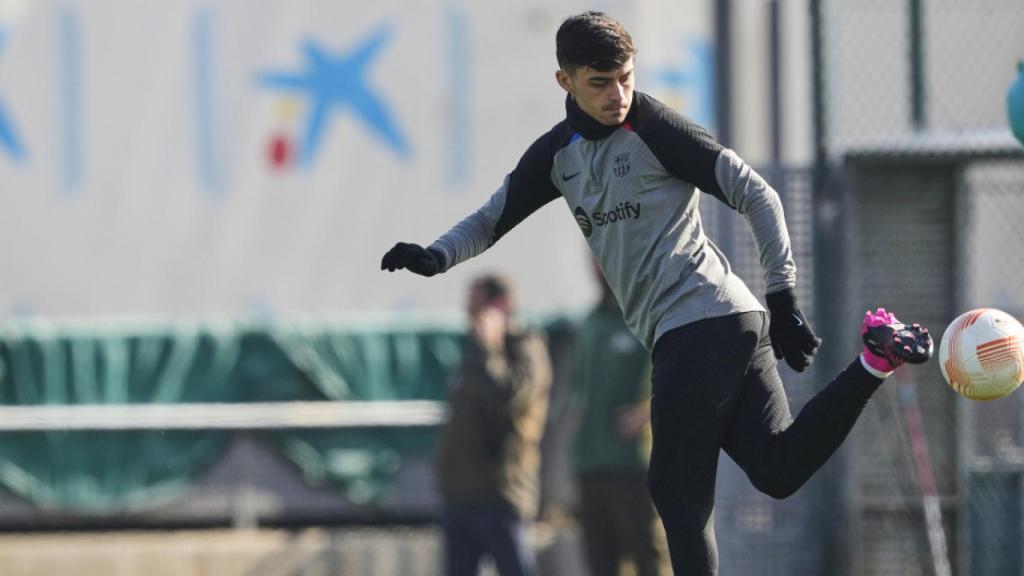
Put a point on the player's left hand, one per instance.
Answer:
(791, 333)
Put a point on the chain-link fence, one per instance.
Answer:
(928, 185)
(895, 67)
(756, 534)
(992, 458)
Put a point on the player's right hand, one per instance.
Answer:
(413, 258)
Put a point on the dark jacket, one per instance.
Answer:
(490, 447)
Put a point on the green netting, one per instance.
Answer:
(45, 363)
(410, 363)
(100, 472)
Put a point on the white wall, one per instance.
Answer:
(141, 181)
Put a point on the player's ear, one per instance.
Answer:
(564, 80)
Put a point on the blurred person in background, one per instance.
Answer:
(610, 390)
(488, 459)
(630, 169)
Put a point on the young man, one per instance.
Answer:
(630, 169)
(610, 388)
(488, 459)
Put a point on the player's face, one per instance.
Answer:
(605, 96)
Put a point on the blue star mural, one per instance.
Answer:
(338, 81)
(8, 136)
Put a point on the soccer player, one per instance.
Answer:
(629, 169)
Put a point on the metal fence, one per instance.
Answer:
(756, 534)
(918, 208)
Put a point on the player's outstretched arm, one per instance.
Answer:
(414, 258)
(524, 190)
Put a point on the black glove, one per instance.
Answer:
(414, 258)
(792, 337)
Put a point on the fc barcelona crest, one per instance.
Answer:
(621, 164)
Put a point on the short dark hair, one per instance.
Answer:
(592, 39)
(493, 287)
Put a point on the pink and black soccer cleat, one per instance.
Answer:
(888, 343)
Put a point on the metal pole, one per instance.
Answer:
(917, 85)
(723, 108)
(775, 64)
(828, 252)
(818, 88)
(828, 278)
(723, 71)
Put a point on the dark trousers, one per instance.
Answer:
(716, 387)
(619, 522)
(470, 533)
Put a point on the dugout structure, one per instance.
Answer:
(929, 225)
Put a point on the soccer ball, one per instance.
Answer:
(982, 354)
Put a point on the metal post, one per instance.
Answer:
(723, 108)
(829, 275)
(828, 199)
(818, 88)
(723, 71)
(917, 86)
(775, 65)
(827, 207)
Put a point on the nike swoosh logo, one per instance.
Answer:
(570, 177)
(799, 322)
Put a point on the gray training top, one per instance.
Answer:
(632, 189)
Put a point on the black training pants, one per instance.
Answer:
(716, 387)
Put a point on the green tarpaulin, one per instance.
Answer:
(210, 361)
